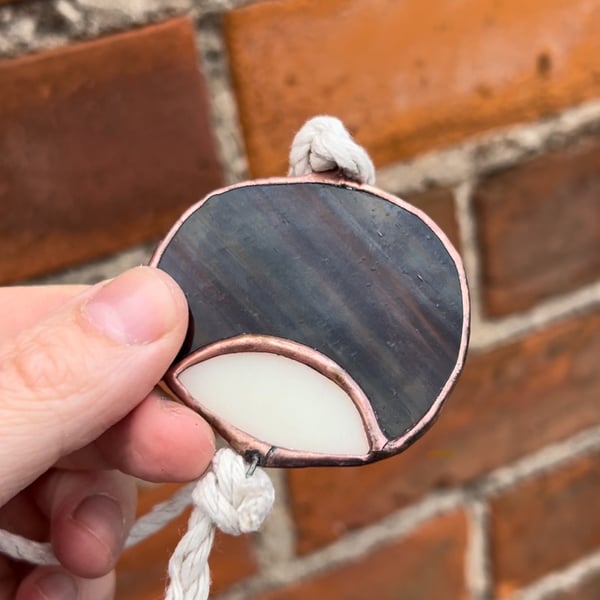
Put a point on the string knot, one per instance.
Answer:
(235, 503)
(224, 497)
(324, 144)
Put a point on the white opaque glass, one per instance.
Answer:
(279, 401)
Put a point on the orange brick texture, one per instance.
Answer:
(586, 590)
(104, 142)
(406, 76)
(539, 226)
(542, 525)
(426, 564)
(103, 145)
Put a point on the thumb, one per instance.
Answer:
(73, 375)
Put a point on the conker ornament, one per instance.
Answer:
(328, 320)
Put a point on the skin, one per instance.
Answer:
(80, 415)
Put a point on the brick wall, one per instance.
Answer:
(116, 115)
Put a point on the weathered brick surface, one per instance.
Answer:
(588, 589)
(545, 523)
(438, 203)
(539, 227)
(507, 403)
(102, 145)
(426, 564)
(231, 560)
(406, 76)
(141, 572)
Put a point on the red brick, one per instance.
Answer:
(588, 589)
(508, 403)
(539, 227)
(406, 76)
(231, 560)
(427, 564)
(141, 572)
(545, 524)
(102, 145)
(438, 203)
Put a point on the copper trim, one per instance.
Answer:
(314, 359)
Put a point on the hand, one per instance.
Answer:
(79, 415)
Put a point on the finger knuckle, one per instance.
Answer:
(36, 366)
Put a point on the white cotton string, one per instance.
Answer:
(224, 497)
(20, 548)
(160, 515)
(228, 499)
(40, 553)
(323, 144)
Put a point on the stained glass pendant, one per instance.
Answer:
(328, 320)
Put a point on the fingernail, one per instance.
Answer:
(102, 516)
(137, 307)
(57, 586)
